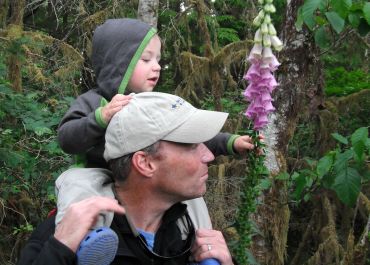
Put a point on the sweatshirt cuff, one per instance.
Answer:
(230, 144)
(60, 251)
(99, 118)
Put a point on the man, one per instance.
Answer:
(155, 149)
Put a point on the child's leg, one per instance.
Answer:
(77, 184)
(100, 245)
(198, 213)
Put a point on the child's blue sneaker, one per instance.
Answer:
(99, 247)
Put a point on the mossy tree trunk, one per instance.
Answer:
(215, 80)
(300, 86)
(148, 11)
(14, 30)
(4, 8)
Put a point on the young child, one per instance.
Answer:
(125, 57)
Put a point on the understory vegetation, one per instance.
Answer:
(44, 65)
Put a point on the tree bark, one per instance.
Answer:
(4, 8)
(148, 11)
(15, 30)
(300, 86)
(215, 81)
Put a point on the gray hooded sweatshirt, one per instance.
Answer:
(116, 48)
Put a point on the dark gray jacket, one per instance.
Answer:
(117, 46)
(43, 249)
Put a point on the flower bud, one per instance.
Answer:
(272, 31)
(276, 43)
(256, 52)
(257, 21)
(270, 8)
(258, 36)
(261, 14)
(267, 54)
(266, 40)
(269, 1)
(267, 19)
(260, 2)
(264, 28)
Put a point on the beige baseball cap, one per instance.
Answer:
(154, 116)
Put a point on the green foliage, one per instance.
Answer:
(340, 82)
(324, 16)
(342, 170)
(254, 182)
(23, 228)
(229, 30)
(29, 151)
(227, 35)
(30, 158)
(232, 101)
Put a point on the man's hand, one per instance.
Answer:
(115, 105)
(211, 244)
(80, 217)
(245, 143)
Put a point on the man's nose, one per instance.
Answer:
(206, 154)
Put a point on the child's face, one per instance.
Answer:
(147, 70)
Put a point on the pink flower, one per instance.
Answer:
(261, 84)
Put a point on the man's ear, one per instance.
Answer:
(143, 163)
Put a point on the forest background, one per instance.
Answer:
(305, 202)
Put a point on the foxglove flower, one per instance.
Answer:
(260, 75)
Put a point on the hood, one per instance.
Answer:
(117, 46)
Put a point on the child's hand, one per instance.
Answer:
(245, 143)
(115, 105)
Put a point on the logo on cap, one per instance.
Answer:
(179, 102)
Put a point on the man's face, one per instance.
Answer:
(147, 70)
(182, 170)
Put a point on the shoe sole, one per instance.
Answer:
(99, 247)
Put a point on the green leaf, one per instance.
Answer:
(363, 28)
(366, 10)
(324, 165)
(310, 162)
(264, 184)
(336, 21)
(341, 161)
(354, 19)
(366, 175)
(328, 180)
(251, 259)
(347, 186)
(10, 158)
(299, 22)
(300, 184)
(358, 140)
(282, 176)
(341, 6)
(307, 197)
(308, 10)
(340, 138)
(321, 38)
(40, 131)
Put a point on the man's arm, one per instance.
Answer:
(43, 249)
(58, 247)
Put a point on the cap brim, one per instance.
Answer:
(200, 127)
